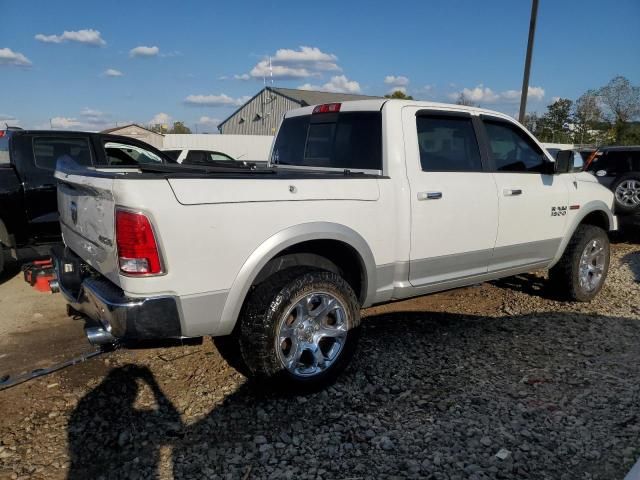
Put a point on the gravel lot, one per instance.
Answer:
(493, 381)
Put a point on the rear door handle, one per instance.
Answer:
(509, 192)
(429, 195)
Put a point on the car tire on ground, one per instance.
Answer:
(581, 272)
(299, 329)
(627, 193)
(2, 259)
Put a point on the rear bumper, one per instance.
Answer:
(120, 316)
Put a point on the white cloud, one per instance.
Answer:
(160, 119)
(396, 81)
(9, 120)
(208, 122)
(143, 51)
(479, 94)
(65, 123)
(244, 76)
(16, 59)
(88, 119)
(112, 72)
(337, 84)
(290, 64)
(85, 36)
(482, 94)
(535, 93)
(221, 100)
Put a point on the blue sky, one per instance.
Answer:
(78, 64)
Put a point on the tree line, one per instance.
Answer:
(607, 115)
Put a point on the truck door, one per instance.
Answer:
(454, 202)
(37, 164)
(533, 201)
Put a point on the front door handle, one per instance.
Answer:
(429, 195)
(509, 192)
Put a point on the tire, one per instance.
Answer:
(2, 259)
(627, 193)
(286, 336)
(581, 272)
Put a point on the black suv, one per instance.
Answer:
(28, 202)
(618, 168)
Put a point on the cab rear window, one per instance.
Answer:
(346, 140)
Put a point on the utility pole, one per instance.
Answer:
(527, 61)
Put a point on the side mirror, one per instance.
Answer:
(564, 161)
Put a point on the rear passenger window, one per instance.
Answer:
(448, 144)
(512, 150)
(195, 157)
(48, 150)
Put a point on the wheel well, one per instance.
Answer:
(332, 255)
(597, 218)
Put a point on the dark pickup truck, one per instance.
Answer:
(28, 198)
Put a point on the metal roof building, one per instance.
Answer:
(262, 114)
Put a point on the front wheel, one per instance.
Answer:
(300, 327)
(580, 274)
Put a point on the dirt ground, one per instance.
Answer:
(491, 356)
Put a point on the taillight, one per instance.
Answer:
(137, 248)
(327, 108)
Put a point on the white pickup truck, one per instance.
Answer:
(364, 202)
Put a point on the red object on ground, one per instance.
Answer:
(39, 273)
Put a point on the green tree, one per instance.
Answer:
(622, 102)
(399, 94)
(587, 115)
(158, 128)
(179, 127)
(554, 123)
(532, 122)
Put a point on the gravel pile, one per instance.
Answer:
(497, 381)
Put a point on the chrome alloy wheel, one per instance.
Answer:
(628, 193)
(312, 333)
(592, 263)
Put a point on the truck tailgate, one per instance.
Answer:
(87, 209)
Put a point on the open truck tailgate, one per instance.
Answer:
(87, 210)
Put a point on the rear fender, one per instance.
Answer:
(279, 242)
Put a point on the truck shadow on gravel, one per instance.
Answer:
(429, 395)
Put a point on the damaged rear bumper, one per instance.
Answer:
(115, 316)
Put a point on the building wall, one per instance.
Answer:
(133, 131)
(240, 147)
(261, 116)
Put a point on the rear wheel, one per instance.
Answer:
(583, 268)
(2, 258)
(627, 193)
(300, 327)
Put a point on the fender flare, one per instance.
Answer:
(592, 206)
(276, 244)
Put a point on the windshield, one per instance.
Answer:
(4, 148)
(121, 154)
(348, 140)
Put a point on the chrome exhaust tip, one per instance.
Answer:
(54, 286)
(99, 336)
